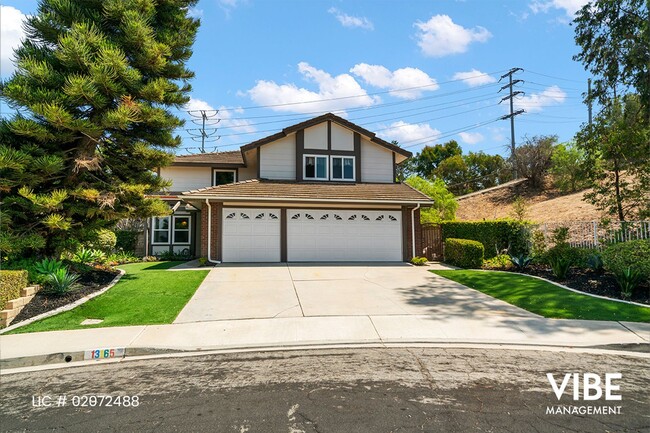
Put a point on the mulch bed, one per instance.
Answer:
(88, 283)
(588, 281)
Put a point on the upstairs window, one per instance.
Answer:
(315, 167)
(342, 168)
(223, 177)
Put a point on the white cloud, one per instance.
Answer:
(570, 7)
(471, 137)
(351, 21)
(227, 123)
(474, 78)
(408, 132)
(537, 101)
(334, 93)
(404, 78)
(195, 12)
(11, 34)
(440, 36)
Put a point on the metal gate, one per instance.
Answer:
(432, 242)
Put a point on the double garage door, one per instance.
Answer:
(254, 235)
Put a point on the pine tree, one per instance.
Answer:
(93, 86)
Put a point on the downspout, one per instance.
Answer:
(413, 227)
(207, 202)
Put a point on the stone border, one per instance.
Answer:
(566, 287)
(65, 307)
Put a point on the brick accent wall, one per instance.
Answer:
(215, 251)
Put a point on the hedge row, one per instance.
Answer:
(495, 235)
(464, 253)
(11, 283)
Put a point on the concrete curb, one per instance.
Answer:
(76, 359)
(567, 288)
(68, 307)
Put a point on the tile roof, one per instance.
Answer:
(262, 189)
(232, 157)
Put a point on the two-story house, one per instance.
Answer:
(321, 190)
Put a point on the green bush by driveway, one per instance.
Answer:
(148, 294)
(546, 299)
(464, 253)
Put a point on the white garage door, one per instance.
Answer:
(334, 235)
(251, 235)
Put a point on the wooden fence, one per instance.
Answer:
(432, 242)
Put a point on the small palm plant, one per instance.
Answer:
(559, 266)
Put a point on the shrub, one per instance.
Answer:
(521, 262)
(47, 266)
(203, 261)
(502, 261)
(539, 246)
(29, 265)
(11, 283)
(631, 254)
(464, 253)
(495, 235)
(627, 280)
(126, 240)
(419, 261)
(104, 240)
(560, 266)
(170, 255)
(60, 282)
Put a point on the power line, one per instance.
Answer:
(362, 95)
(551, 76)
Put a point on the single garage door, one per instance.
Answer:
(335, 235)
(251, 235)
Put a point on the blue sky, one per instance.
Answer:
(420, 72)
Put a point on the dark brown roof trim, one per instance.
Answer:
(326, 117)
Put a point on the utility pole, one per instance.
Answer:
(589, 99)
(204, 118)
(513, 113)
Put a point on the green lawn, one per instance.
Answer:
(148, 294)
(545, 299)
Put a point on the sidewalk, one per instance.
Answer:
(53, 347)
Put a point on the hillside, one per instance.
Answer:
(544, 205)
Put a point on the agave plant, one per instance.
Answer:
(559, 266)
(627, 280)
(521, 261)
(86, 256)
(595, 262)
(47, 266)
(61, 281)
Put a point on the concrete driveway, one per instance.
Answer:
(258, 291)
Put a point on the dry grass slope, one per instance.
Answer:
(544, 205)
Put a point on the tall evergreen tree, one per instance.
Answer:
(94, 83)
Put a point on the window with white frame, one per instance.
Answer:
(160, 230)
(342, 168)
(315, 167)
(182, 226)
(223, 177)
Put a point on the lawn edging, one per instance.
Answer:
(567, 288)
(65, 308)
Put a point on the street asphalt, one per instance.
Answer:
(343, 390)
